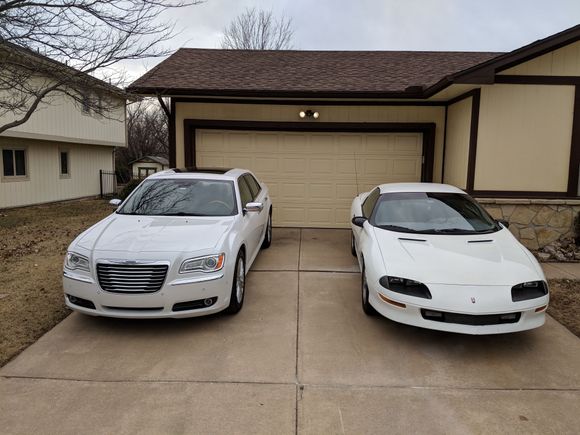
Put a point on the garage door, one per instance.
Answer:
(313, 177)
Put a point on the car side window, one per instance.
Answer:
(369, 204)
(245, 192)
(253, 184)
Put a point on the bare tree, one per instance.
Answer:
(50, 48)
(147, 135)
(258, 30)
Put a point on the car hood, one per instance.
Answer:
(482, 259)
(128, 233)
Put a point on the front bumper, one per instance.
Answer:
(159, 304)
(491, 303)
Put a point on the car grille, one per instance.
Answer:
(470, 319)
(131, 278)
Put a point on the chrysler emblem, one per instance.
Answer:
(472, 300)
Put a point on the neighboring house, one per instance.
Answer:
(59, 152)
(147, 165)
(321, 126)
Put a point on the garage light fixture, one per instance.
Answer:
(308, 114)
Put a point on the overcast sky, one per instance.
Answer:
(465, 25)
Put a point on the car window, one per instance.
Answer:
(245, 192)
(182, 197)
(253, 184)
(369, 204)
(432, 213)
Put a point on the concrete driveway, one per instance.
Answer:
(301, 357)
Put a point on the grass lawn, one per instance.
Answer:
(33, 241)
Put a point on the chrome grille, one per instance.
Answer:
(131, 278)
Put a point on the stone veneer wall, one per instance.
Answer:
(536, 222)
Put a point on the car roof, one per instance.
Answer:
(419, 187)
(204, 173)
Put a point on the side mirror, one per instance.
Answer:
(254, 207)
(359, 221)
(115, 202)
(503, 222)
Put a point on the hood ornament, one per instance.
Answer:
(472, 300)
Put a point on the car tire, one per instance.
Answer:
(238, 285)
(368, 309)
(268, 236)
(352, 248)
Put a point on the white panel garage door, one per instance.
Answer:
(313, 177)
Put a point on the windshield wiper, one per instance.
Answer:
(399, 229)
(461, 231)
(180, 213)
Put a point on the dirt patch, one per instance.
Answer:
(33, 241)
(565, 303)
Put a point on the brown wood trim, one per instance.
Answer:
(519, 194)
(462, 96)
(171, 134)
(302, 102)
(472, 157)
(426, 128)
(537, 80)
(444, 145)
(575, 147)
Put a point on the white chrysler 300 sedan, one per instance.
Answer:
(179, 246)
(432, 257)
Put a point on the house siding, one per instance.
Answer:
(457, 142)
(44, 182)
(289, 113)
(564, 61)
(524, 138)
(60, 119)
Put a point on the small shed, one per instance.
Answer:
(147, 165)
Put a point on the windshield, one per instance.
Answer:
(431, 213)
(171, 197)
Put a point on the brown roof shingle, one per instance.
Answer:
(302, 73)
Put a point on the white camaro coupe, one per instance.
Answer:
(179, 246)
(432, 257)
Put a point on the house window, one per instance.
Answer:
(64, 164)
(14, 162)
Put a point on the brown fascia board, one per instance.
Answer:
(272, 93)
(487, 70)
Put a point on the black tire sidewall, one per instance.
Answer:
(234, 305)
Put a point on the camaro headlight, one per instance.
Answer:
(74, 261)
(209, 263)
(405, 286)
(529, 290)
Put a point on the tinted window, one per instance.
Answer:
(369, 204)
(170, 197)
(449, 213)
(245, 192)
(253, 185)
(64, 163)
(14, 163)
(8, 162)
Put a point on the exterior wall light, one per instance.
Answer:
(308, 114)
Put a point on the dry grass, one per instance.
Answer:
(565, 303)
(33, 241)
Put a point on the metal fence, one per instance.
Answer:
(107, 183)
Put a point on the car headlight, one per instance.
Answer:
(529, 290)
(74, 261)
(405, 286)
(209, 263)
